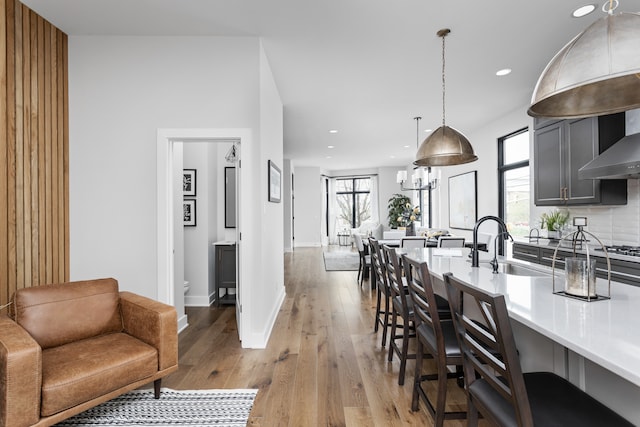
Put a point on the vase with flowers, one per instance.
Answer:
(409, 216)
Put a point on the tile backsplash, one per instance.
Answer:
(619, 225)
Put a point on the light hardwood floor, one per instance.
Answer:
(323, 365)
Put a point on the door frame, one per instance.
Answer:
(166, 289)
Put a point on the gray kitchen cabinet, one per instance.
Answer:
(526, 252)
(225, 272)
(561, 148)
(622, 271)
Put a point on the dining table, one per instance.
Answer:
(395, 243)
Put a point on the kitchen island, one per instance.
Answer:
(596, 345)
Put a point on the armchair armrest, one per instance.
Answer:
(154, 323)
(20, 375)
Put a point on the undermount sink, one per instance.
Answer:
(517, 269)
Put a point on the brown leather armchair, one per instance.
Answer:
(65, 348)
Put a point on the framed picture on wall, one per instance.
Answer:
(463, 203)
(275, 183)
(189, 182)
(189, 213)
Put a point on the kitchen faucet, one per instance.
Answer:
(474, 251)
(531, 236)
(494, 261)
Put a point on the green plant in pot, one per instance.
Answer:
(397, 206)
(554, 222)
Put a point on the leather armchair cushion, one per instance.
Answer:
(20, 361)
(60, 314)
(80, 371)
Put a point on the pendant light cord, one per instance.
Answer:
(417, 119)
(443, 83)
(443, 33)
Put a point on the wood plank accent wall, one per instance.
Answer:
(34, 151)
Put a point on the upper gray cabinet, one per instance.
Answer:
(564, 146)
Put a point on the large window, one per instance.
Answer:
(353, 200)
(513, 171)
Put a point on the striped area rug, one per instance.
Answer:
(229, 408)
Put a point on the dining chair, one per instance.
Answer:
(435, 337)
(365, 259)
(383, 292)
(451, 242)
(413, 242)
(495, 384)
(401, 313)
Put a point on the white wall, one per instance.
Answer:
(309, 199)
(269, 257)
(387, 187)
(287, 204)
(485, 146)
(121, 91)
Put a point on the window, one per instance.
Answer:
(513, 178)
(353, 199)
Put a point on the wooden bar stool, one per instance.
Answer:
(437, 338)
(495, 384)
(402, 313)
(383, 292)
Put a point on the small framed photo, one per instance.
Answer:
(189, 213)
(189, 182)
(275, 183)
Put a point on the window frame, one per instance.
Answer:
(353, 194)
(504, 168)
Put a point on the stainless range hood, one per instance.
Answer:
(622, 159)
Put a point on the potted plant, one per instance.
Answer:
(554, 222)
(397, 205)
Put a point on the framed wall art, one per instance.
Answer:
(275, 182)
(189, 213)
(463, 200)
(188, 182)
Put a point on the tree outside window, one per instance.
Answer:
(353, 198)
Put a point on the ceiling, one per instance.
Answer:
(364, 67)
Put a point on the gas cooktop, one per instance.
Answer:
(623, 250)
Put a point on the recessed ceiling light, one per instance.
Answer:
(333, 131)
(331, 146)
(407, 146)
(428, 130)
(503, 72)
(583, 10)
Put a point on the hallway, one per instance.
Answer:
(323, 365)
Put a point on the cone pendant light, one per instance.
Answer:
(598, 72)
(445, 146)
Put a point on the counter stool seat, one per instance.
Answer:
(495, 384)
(436, 338)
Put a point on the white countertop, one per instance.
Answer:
(606, 332)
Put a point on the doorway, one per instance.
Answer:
(169, 219)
